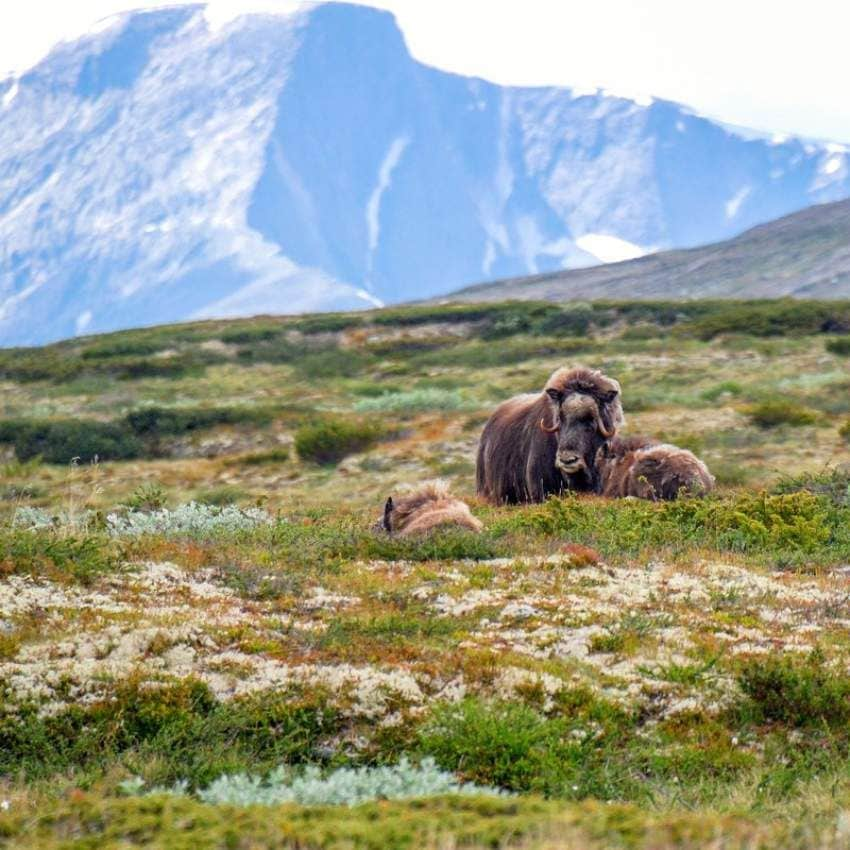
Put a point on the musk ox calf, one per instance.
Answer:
(541, 444)
(650, 470)
(565, 439)
(429, 508)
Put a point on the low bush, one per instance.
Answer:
(328, 441)
(800, 522)
(172, 421)
(333, 363)
(56, 555)
(771, 414)
(844, 431)
(156, 732)
(251, 333)
(796, 691)
(63, 440)
(833, 484)
(840, 345)
(26, 365)
(277, 455)
(122, 346)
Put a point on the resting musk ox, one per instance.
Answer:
(637, 467)
(565, 439)
(424, 510)
(541, 444)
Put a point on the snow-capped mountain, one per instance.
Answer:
(163, 168)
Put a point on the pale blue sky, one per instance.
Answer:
(779, 66)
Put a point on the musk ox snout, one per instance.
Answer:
(569, 462)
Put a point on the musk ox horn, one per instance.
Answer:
(549, 429)
(605, 432)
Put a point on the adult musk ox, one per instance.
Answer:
(541, 444)
(565, 438)
(428, 508)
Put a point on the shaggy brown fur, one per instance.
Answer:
(431, 507)
(650, 470)
(517, 457)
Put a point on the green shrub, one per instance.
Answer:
(724, 388)
(844, 431)
(177, 366)
(781, 317)
(226, 494)
(328, 441)
(147, 497)
(122, 346)
(61, 557)
(333, 363)
(799, 692)
(327, 323)
(504, 744)
(278, 455)
(770, 414)
(277, 350)
(26, 365)
(62, 440)
(840, 345)
(833, 483)
(744, 522)
(172, 421)
(255, 333)
(176, 731)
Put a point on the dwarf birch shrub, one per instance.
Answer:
(328, 441)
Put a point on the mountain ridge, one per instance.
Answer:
(161, 169)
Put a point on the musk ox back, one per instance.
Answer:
(428, 508)
(649, 470)
(532, 447)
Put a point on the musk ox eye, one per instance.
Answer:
(556, 395)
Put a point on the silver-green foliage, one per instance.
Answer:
(342, 787)
(413, 401)
(190, 520)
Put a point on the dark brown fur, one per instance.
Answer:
(649, 470)
(426, 509)
(516, 457)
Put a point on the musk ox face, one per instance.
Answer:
(585, 413)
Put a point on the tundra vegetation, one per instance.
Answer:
(196, 615)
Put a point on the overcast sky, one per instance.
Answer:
(778, 65)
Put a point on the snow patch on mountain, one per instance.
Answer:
(609, 249)
(373, 206)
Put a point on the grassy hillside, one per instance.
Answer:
(804, 255)
(190, 588)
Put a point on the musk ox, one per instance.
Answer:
(566, 439)
(649, 470)
(541, 444)
(428, 508)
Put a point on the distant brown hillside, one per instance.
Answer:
(804, 255)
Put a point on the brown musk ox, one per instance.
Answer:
(634, 466)
(540, 444)
(428, 508)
